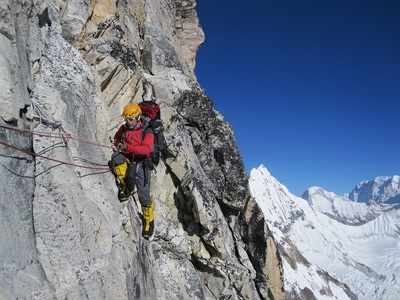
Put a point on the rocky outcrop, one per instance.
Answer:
(263, 252)
(69, 67)
(188, 31)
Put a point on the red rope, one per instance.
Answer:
(46, 134)
(51, 159)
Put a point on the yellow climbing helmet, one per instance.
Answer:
(131, 110)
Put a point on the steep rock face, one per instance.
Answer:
(76, 64)
(264, 252)
(188, 30)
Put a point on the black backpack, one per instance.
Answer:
(151, 112)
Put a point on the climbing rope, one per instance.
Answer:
(15, 173)
(15, 157)
(87, 161)
(64, 135)
(103, 167)
(94, 173)
(52, 147)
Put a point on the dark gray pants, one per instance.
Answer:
(139, 175)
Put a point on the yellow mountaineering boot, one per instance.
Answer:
(119, 167)
(148, 221)
(120, 174)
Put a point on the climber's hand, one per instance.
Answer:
(122, 147)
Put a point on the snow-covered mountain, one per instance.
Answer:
(331, 247)
(341, 208)
(381, 190)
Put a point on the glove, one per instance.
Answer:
(122, 147)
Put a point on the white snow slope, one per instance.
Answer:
(356, 244)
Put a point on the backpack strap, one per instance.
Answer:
(148, 162)
(146, 128)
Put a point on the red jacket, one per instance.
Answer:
(135, 144)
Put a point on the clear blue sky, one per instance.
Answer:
(311, 88)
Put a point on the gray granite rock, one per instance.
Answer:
(65, 235)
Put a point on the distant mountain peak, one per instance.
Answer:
(317, 190)
(264, 170)
(381, 189)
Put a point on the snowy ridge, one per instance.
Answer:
(382, 189)
(343, 209)
(323, 249)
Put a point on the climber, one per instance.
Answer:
(135, 141)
